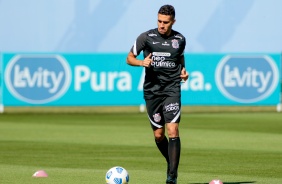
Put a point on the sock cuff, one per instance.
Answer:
(174, 138)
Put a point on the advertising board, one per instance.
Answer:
(58, 79)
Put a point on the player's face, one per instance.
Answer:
(165, 23)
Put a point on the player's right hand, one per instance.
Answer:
(147, 61)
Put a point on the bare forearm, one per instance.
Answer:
(133, 61)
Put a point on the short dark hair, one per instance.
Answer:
(167, 10)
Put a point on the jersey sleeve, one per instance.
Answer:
(139, 44)
(183, 46)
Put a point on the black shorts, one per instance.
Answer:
(163, 110)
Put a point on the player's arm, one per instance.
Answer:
(133, 61)
(184, 74)
(139, 45)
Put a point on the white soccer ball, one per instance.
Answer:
(117, 175)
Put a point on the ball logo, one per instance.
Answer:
(109, 174)
(247, 79)
(37, 79)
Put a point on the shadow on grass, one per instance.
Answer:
(238, 182)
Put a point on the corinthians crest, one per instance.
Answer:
(157, 117)
(175, 44)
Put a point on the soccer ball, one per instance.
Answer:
(117, 175)
(215, 182)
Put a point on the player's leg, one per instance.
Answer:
(171, 113)
(154, 110)
(162, 142)
(174, 147)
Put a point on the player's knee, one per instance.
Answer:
(172, 131)
(159, 137)
(173, 134)
(159, 134)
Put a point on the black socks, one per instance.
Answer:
(174, 147)
(163, 147)
(171, 151)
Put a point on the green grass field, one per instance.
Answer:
(79, 148)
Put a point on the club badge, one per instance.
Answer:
(157, 117)
(175, 44)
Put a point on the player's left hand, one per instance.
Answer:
(184, 74)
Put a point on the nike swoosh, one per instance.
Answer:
(156, 42)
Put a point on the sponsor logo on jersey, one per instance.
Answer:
(157, 117)
(159, 60)
(152, 34)
(172, 107)
(165, 54)
(166, 64)
(175, 44)
(155, 43)
(37, 79)
(177, 36)
(165, 44)
(247, 79)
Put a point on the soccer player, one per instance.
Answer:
(163, 50)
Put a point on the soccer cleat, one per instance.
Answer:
(171, 179)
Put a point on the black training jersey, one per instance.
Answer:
(162, 78)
